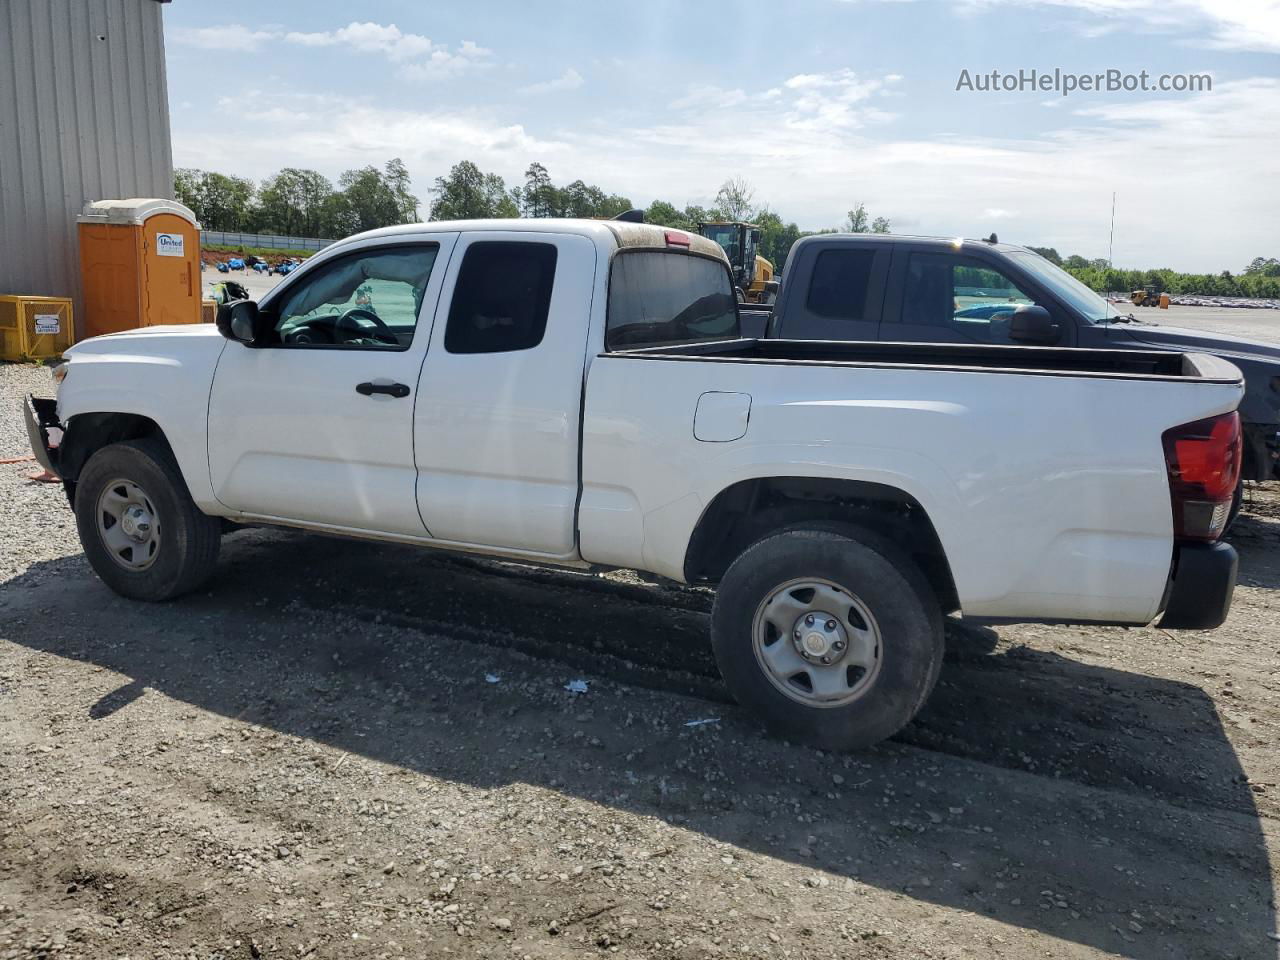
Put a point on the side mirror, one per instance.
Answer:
(238, 320)
(1031, 323)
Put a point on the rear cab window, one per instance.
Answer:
(662, 298)
(839, 285)
(834, 290)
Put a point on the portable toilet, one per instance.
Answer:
(139, 263)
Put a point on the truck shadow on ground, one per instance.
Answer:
(1036, 789)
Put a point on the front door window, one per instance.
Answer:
(368, 300)
(974, 300)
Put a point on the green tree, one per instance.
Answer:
(396, 175)
(468, 193)
(1049, 253)
(734, 199)
(665, 214)
(220, 202)
(379, 198)
(880, 225)
(857, 219)
(538, 198)
(1263, 266)
(293, 202)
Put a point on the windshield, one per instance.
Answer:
(1087, 303)
(725, 234)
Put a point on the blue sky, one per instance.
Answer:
(818, 103)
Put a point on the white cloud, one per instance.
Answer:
(829, 144)
(717, 98)
(445, 63)
(419, 57)
(571, 79)
(1165, 158)
(368, 37)
(1231, 24)
(835, 102)
(336, 133)
(232, 36)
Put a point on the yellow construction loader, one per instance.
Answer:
(751, 272)
(1148, 297)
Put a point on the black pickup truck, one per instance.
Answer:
(871, 287)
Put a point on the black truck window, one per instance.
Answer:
(839, 284)
(973, 299)
(502, 297)
(659, 298)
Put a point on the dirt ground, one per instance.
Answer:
(349, 750)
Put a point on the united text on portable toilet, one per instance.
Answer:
(139, 263)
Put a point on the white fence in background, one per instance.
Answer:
(263, 240)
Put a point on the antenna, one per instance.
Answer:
(1112, 242)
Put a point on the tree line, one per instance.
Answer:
(300, 203)
(1259, 279)
(305, 203)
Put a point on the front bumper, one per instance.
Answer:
(41, 414)
(1200, 588)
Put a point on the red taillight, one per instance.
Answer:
(678, 238)
(1203, 459)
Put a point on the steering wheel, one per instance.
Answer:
(381, 333)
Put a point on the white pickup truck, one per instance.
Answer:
(575, 393)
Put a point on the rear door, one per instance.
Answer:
(500, 396)
(944, 297)
(837, 294)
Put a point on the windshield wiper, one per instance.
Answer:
(1120, 318)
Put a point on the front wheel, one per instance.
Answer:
(141, 532)
(832, 638)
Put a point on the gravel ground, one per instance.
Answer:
(310, 759)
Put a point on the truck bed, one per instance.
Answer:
(1060, 361)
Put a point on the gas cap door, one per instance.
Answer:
(721, 417)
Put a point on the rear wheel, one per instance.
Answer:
(832, 638)
(141, 532)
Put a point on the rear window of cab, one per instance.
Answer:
(661, 298)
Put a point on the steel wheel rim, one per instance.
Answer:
(128, 525)
(804, 620)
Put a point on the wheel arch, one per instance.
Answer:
(87, 433)
(749, 510)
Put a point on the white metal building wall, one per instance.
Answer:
(84, 115)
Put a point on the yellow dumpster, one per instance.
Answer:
(35, 328)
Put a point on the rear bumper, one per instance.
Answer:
(1200, 588)
(41, 414)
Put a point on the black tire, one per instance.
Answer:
(888, 585)
(187, 540)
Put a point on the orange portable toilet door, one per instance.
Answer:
(171, 277)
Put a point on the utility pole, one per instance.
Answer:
(1112, 242)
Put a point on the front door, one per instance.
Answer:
(953, 298)
(317, 425)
